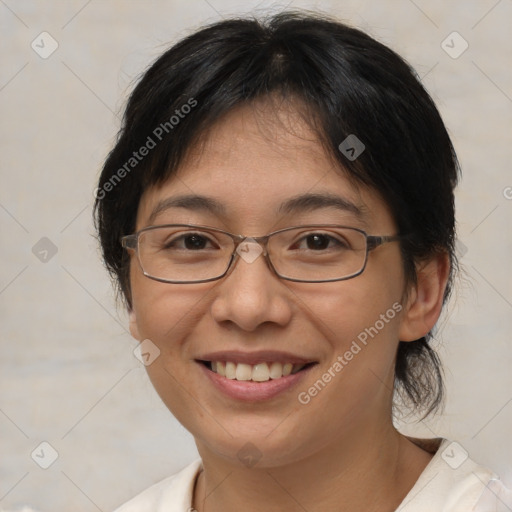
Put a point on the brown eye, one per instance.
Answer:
(190, 242)
(318, 242)
(194, 242)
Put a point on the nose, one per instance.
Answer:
(251, 294)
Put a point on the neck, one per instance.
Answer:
(370, 470)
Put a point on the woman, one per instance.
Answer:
(278, 214)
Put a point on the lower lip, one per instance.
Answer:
(251, 391)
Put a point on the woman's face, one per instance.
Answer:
(250, 166)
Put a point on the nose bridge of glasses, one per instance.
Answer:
(251, 248)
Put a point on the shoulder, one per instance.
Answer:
(453, 482)
(171, 494)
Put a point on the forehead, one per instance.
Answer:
(262, 139)
(254, 160)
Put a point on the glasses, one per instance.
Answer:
(183, 253)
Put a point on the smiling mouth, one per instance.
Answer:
(261, 372)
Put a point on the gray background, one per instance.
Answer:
(68, 374)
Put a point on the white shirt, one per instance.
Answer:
(451, 482)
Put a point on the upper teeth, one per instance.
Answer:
(259, 372)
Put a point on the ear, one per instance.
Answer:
(425, 298)
(134, 328)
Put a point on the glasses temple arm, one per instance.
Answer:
(129, 241)
(373, 241)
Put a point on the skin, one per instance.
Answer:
(340, 451)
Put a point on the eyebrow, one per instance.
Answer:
(189, 202)
(310, 202)
(297, 204)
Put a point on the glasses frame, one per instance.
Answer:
(372, 242)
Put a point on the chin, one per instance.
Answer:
(253, 446)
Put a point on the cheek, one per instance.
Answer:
(360, 319)
(165, 313)
(361, 326)
(344, 310)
